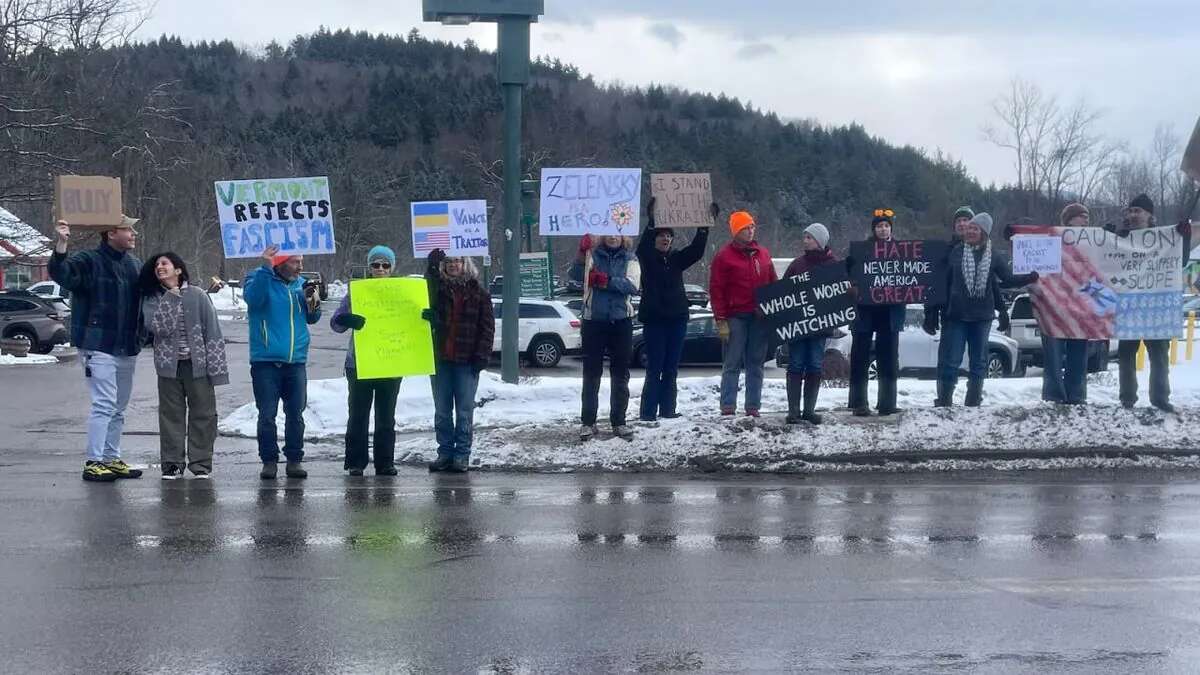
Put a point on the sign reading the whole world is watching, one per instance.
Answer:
(294, 214)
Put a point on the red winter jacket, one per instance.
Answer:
(737, 270)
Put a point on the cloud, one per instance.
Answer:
(755, 50)
(666, 32)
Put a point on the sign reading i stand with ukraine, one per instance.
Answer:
(456, 227)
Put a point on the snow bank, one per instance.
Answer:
(29, 360)
(228, 299)
(337, 289)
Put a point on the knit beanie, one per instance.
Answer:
(1072, 210)
(1143, 202)
(964, 212)
(278, 260)
(818, 232)
(381, 253)
(984, 221)
(738, 221)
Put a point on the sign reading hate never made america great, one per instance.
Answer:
(294, 214)
(576, 202)
(808, 303)
(899, 272)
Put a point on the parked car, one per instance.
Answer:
(1024, 329)
(39, 320)
(49, 289)
(701, 343)
(1191, 303)
(696, 295)
(315, 279)
(548, 329)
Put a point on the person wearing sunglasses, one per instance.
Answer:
(876, 333)
(363, 394)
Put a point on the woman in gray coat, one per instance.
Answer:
(189, 357)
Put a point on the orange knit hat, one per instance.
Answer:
(738, 221)
(278, 260)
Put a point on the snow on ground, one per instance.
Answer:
(228, 299)
(534, 425)
(337, 289)
(29, 360)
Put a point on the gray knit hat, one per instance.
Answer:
(984, 221)
(964, 212)
(818, 232)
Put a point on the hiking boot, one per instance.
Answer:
(295, 470)
(861, 412)
(670, 415)
(751, 412)
(945, 394)
(795, 386)
(1128, 405)
(586, 432)
(459, 465)
(268, 471)
(728, 410)
(172, 473)
(122, 470)
(888, 412)
(442, 463)
(96, 471)
(623, 431)
(1164, 406)
(386, 471)
(356, 472)
(201, 474)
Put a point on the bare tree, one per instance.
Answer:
(1164, 160)
(1027, 119)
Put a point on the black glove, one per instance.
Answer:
(436, 256)
(1002, 320)
(352, 321)
(1184, 226)
(650, 207)
(715, 210)
(1008, 232)
(930, 324)
(1034, 276)
(427, 314)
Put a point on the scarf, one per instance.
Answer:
(975, 276)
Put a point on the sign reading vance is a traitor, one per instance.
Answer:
(457, 227)
(899, 272)
(682, 199)
(87, 201)
(294, 214)
(807, 303)
(576, 202)
(395, 341)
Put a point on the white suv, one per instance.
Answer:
(548, 329)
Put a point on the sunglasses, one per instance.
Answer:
(381, 266)
(887, 213)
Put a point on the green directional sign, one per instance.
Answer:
(535, 275)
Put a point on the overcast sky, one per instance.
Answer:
(920, 72)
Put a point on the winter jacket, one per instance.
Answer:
(807, 261)
(162, 313)
(960, 306)
(278, 317)
(106, 302)
(342, 310)
(611, 303)
(663, 295)
(737, 270)
(875, 318)
(464, 323)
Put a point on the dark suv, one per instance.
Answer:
(39, 320)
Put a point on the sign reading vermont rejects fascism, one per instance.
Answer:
(294, 214)
(899, 272)
(808, 303)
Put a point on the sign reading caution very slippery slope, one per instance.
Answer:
(457, 227)
(294, 214)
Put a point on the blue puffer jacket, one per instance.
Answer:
(611, 303)
(278, 317)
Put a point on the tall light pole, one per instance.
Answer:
(512, 18)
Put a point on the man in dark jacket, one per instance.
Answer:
(664, 311)
(105, 317)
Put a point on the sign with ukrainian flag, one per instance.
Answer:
(456, 227)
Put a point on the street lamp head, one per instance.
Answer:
(461, 12)
(457, 19)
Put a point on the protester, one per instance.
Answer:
(611, 277)
(806, 354)
(1064, 360)
(973, 271)
(189, 357)
(105, 327)
(663, 311)
(1139, 215)
(739, 268)
(880, 324)
(362, 394)
(280, 308)
(464, 326)
(962, 216)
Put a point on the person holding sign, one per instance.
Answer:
(738, 269)
(880, 324)
(280, 310)
(189, 355)
(363, 393)
(1064, 360)
(611, 276)
(105, 327)
(663, 310)
(464, 326)
(807, 354)
(974, 270)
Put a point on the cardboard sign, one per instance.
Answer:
(294, 214)
(899, 272)
(456, 227)
(809, 303)
(1191, 157)
(1036, 253)
(395, 341)
(682, 199)
(576, 202)
(87, 201)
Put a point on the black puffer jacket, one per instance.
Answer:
(960, 306)
(663, 297)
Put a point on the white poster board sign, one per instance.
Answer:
(294, 214)
(456, 227)
(596, 201)
(1037, 253)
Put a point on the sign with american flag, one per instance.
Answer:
(456, 227)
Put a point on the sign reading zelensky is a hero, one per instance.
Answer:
(808, 303)
(576, 202)
(456, 227)
(899, 272)
(294, 214)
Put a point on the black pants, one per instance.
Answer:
(616, 339)
(362, 392)
(1159, 352)
(887, 367)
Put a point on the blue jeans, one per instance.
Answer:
(454, 387)
(664, 348)
(110, 381)
(272, 382)
(746, 348)
(1064, 370)
(970, 336)
(805, 355)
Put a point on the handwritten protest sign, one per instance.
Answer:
(597, 201)
(456, 227)
(294, 214)
(87, 201)
(395, 341)
(682, 199)
(1037, 253)
(809, 303)
(899, 272)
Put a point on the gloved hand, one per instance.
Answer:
(1002, 321)
(930, 325)
(1034, 276)
(436, 256)
(585, 245)
(650, 207)
(352, 321)
(715, 210)
(723, 329)
(427, 314)
(1184, 226)
(597, 279)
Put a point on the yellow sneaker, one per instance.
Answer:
(95, 471)
(122, 470)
